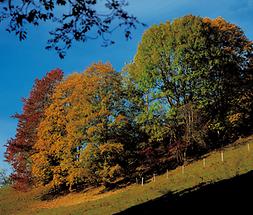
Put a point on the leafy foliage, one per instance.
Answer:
(190, 61)
(73, 20)
(20, 148)
(4, 179)
(189, 73)
(85, 114)
(178, 98)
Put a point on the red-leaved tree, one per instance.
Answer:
(20, 148)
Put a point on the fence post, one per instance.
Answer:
(222, 156)
(154, 177)
(183, 169)
(142, 181)
(248, 147)
(167, 174)
(136, 180)
(204, 162)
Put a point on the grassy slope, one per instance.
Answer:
(237, 161)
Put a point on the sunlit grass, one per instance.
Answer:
(237, 160)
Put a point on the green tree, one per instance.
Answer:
(188, 72)
(228, 76)
(165, 70)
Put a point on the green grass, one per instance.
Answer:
(237, 160)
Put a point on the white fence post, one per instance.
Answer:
(142, 181)
(204, 162)
(222, 156)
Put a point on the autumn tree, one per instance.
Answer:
(50, 162)
(79, 133)
(20, 148)
(73, 20)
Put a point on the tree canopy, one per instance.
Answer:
(195, 62)
(188, 90)
(85, 117)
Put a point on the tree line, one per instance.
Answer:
(188, 90)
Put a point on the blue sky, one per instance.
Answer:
(21, 63)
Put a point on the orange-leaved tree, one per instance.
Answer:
(84, 114)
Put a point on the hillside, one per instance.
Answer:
(210, 186)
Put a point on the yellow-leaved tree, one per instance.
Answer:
(78, 143)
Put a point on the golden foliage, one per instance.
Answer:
(79, 114)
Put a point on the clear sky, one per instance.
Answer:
(21, 63)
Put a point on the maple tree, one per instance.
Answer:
(20, 148)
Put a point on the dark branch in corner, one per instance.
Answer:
(80, 22)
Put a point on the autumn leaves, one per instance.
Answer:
(20, 148)
(76, 139)
(188, 90)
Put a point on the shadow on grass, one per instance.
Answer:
(229, 195)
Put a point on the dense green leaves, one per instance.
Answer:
(190, 62)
